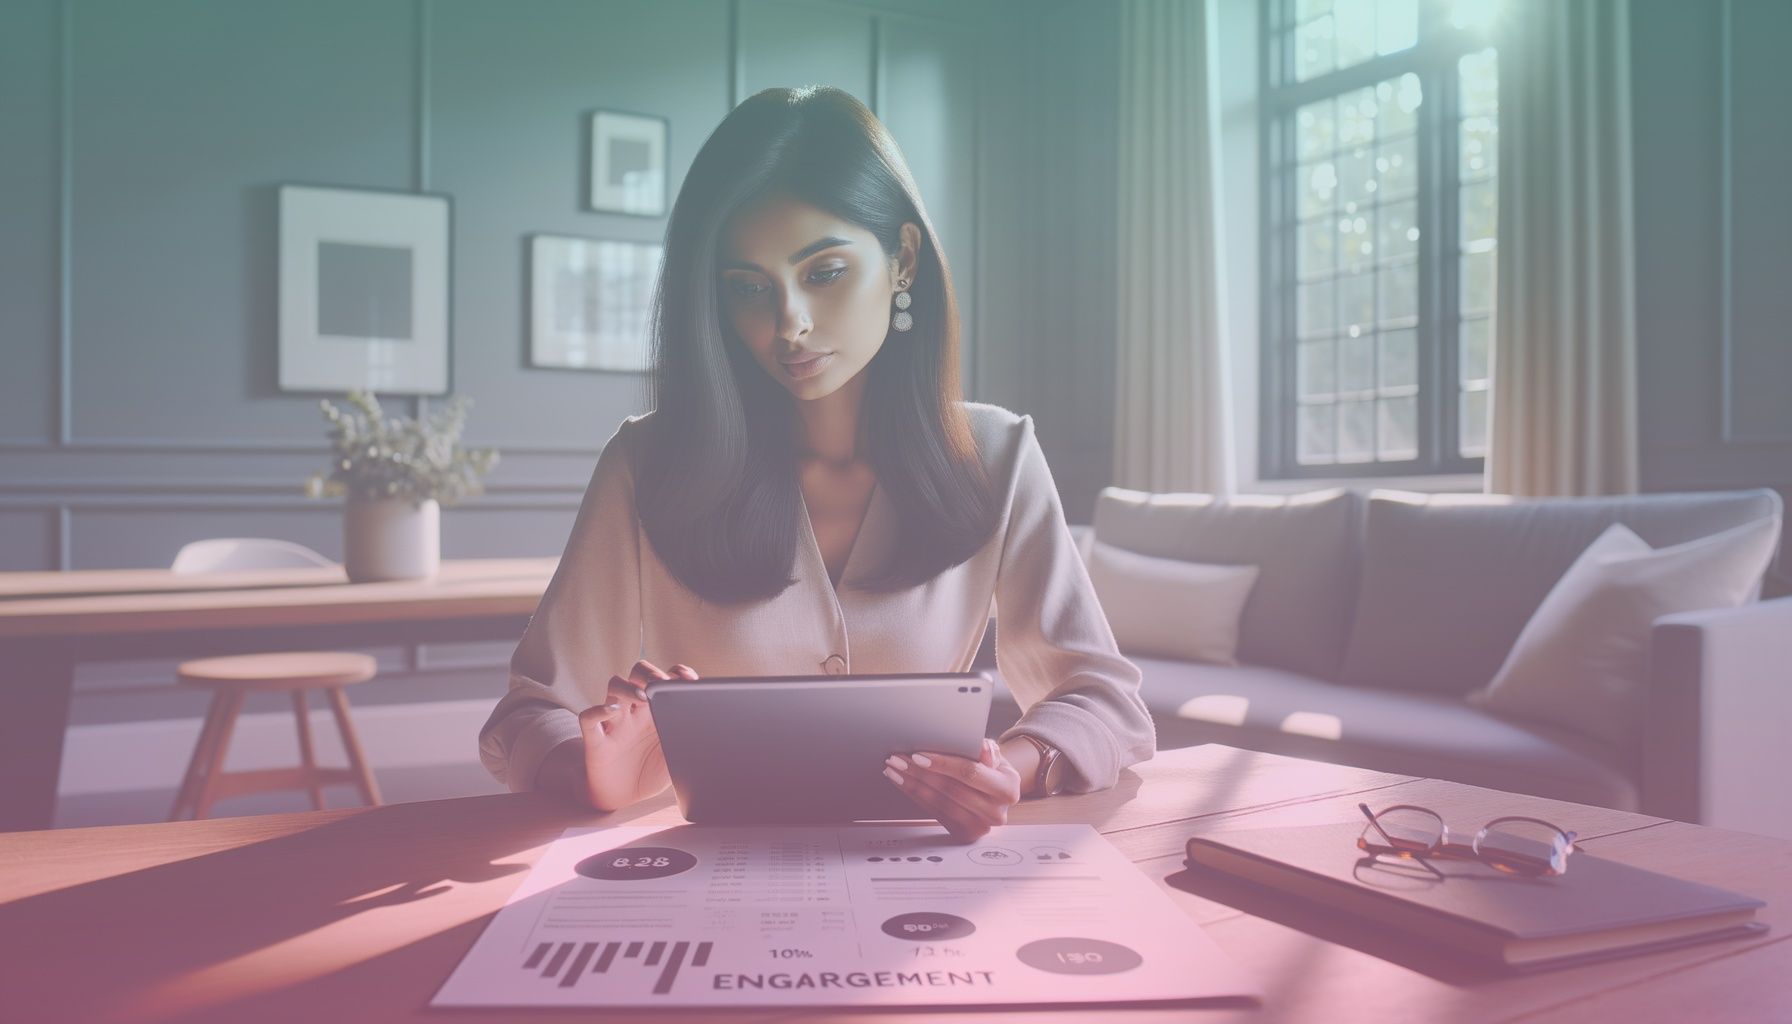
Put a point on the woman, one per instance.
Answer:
(811, 494)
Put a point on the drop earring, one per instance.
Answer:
(903, 320)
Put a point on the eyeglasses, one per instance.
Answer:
(1516, 845)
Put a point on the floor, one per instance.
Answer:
(397, 785)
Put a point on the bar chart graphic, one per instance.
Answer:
(573, 962)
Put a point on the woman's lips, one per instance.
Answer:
(807, 368)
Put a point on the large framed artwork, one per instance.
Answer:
(590, 301)
(627, 164)
(363, 290)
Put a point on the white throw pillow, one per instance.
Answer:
(1170, 608)
(1582, 661)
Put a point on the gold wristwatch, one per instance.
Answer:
(1049, 780)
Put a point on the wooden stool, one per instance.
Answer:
(231, 680)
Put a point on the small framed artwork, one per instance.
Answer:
(589, 303)
(628, 163)
(363, 290)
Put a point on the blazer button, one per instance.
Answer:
(835, 665)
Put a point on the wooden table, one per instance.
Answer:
(360, 914)
(50, 622)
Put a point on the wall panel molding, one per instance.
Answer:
(1747, 358)
(189, 501)
(65, 159)
(1726, 77)
(421, 43)
(249, 446)
(28, 538)
(222, 494)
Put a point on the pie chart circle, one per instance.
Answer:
(928, 926)
(1073, 955)
(635, 863)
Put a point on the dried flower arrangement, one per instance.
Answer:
(375, 458)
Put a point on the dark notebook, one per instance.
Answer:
(1598, 909)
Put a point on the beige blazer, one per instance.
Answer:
(612, 602)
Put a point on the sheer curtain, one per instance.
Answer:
(1170, 402)
(1564, 360)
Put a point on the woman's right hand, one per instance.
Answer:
(623, 761)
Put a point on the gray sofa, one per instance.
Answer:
(1374, 613)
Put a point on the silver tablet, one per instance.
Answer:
(809, 749)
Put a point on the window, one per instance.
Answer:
(1380, 135)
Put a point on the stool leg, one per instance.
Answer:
(189, 783)
(302, 711)
(370, 790)
(215, 762)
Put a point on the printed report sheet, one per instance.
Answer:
(852, 915)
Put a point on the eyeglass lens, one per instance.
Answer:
(1522, 846)
(1407, 828)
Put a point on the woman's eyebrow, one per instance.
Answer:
(796, 257)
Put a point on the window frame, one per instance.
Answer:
(1434, 58)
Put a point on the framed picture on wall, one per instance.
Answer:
(628, 163)
(589, 301)
(363, 290)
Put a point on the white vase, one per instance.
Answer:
(391, 539)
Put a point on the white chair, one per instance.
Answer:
(231, 679)
(245, 554)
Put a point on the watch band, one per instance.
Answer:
(1048, 756)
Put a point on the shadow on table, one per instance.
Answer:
(1336, 927)
(198, 938)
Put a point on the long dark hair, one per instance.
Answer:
(717, 483)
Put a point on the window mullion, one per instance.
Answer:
(1289, 94)
(1431, 275)
(1449, 321)
(1275, 390)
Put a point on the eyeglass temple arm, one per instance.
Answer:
(1367, 813)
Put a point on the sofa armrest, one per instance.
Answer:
(1719, 713)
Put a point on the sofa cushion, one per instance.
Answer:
(1448, 581)
(1169, 607)
(1406, 733)
(1582, 661)
(1304, 547)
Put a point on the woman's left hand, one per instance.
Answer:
(968, 797)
